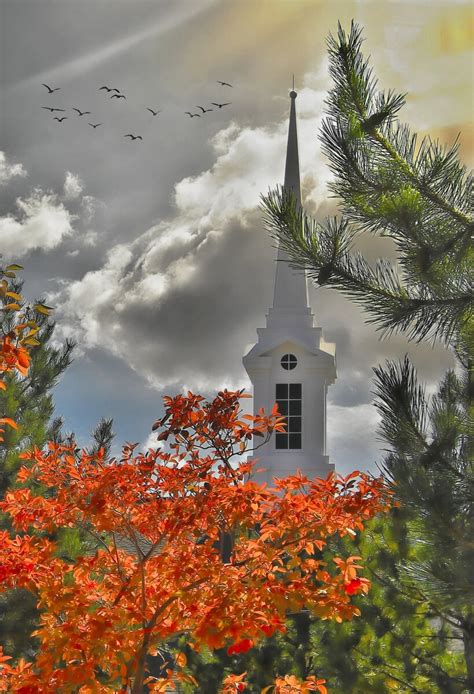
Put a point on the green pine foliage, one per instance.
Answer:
(398, 643)
(28, 400)
(390, 184)
(416, 632)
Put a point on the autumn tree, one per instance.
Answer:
(418, 194)
(105, 612)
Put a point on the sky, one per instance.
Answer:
(153, 251)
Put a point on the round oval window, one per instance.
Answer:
(289, 361)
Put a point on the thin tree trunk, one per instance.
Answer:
(140, 671)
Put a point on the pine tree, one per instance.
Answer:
(419, 195)
(396, 644)
(28, 400)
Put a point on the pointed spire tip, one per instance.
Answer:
(293, 94)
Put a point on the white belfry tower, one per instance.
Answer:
(291, 364)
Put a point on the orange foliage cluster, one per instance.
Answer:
(102, 615)
(289, 684)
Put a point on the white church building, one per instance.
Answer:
(290, 363)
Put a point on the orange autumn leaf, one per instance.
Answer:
(180, 659)
(13, 295)
(9, 421)
(290, 684)
(234, 683)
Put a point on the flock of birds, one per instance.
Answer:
(117, 94)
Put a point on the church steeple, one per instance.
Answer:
(291, 364)
(291, 291)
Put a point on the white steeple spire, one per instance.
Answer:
(291, 291)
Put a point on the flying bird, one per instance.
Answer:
(96, 125)
(82, 113)
(48, 108)
(110, 89)
(221, 105)
(224, 84)
(50, 89)
(134, 137)
(60, 120)
(118, 96)
(193, 115)
(205, 110)
(155, 113)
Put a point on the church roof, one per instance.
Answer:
(311, 343)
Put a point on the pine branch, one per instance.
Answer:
(356, 94)
(402, 405)
(103, 437)
(325, 253)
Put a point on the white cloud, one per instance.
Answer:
(73, 186)
(8, 170)
(42, 222)
(95, 291)
(249, 161)
(352, 437)
(89, 207)
(174, 302)
(41, 219)
(151, 443)
(90, 238)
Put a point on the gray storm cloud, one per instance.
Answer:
(181, 301)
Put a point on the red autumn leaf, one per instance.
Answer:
(240, 647)
(352, 586)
